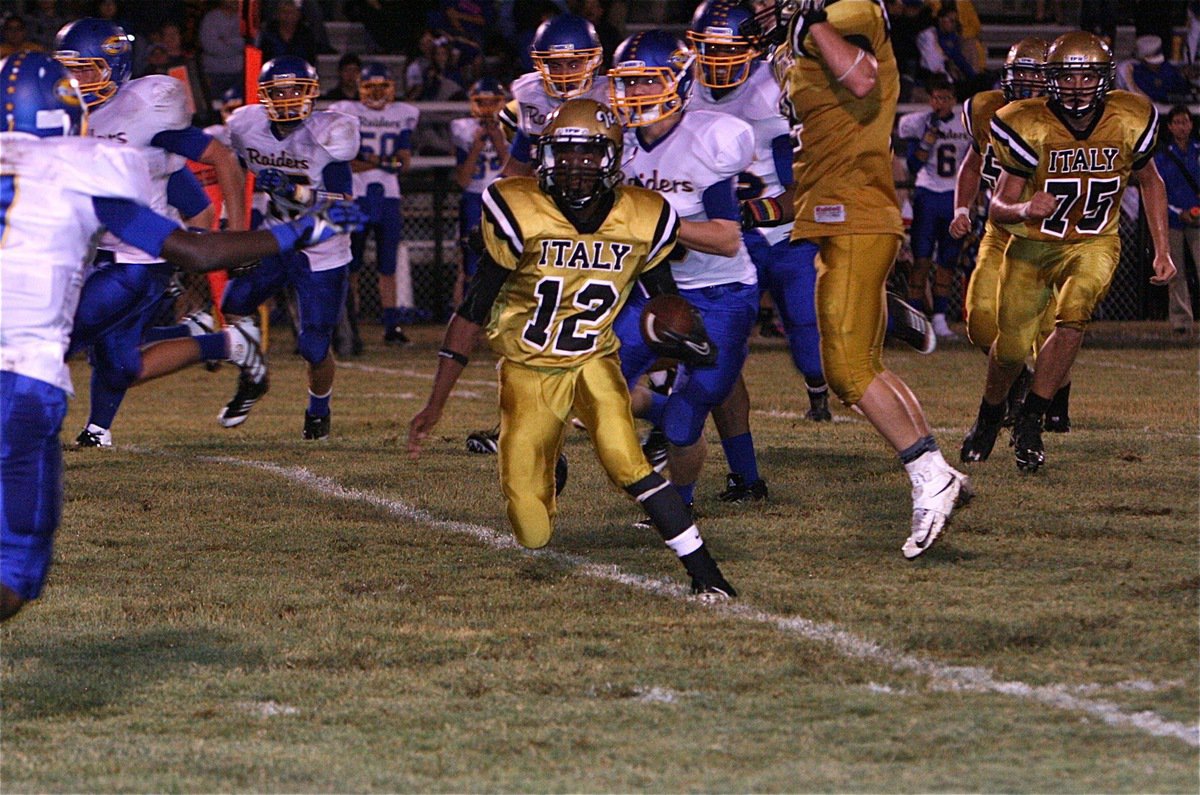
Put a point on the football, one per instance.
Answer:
(666, 315)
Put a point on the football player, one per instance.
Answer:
(693, 158)
(479, 146)
(57, 190)
(121, 294)
(298, 156)
(1066, 159)
(841, 86)
(938, 140)
(567, 55)
(386, 127)
(561, 255)
(1021, 78)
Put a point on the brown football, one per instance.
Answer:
(666, 313)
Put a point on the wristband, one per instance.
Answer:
(1024, 213)
(861, 54)
(454, 356)
(963, 211)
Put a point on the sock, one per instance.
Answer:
(160, 333)
(686, 542)
(213, 347)
(318, 405)
(739, 453)
(919, 468)
(1060, 401)
(991, 414)
(687, 492)
(1034, 405)
(919, 448)
(658, 407)
(105, 402)
(391, 317)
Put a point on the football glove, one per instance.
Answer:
(758, 213)
(283, 193)
(319, 223)
(695, 350)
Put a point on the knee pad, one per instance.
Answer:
(314, 344)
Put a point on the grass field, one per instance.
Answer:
(237, 610)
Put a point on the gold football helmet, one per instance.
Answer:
(579, 152)
(1022, 77)
(1079, 72)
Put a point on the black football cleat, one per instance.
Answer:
(655, 449)
(238, 408)
(99, 437)
(1057, 423)
(1027, 443)
(1016, 397)
(909, 325)
(560, 474)
(818, 407)
(395, 336)
(486, 441)
(315, 428)
(978, 443)
(1058, 417)
(738, 490)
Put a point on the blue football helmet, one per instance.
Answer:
(287, 86)
(487, 98)
(376, 88)
(566, 52)
(655, 58)
(98, 54)
(723, 52)
(40, 97)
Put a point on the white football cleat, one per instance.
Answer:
(935, 493)
(199, 322)
(245, 349)
(942, 329)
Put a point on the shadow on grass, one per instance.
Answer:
(81, 675)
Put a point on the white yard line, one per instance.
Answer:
(848, 644)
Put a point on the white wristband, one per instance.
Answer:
(963, 212)
(858, 59)
(1024, 214)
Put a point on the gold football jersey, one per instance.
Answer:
(1086, 171)
(977, 115)
(558, 307)
(842, 157)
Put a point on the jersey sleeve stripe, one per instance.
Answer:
(503, 219)
(1145, 143)
(1021, 151)
(666, 231)
(966, 117)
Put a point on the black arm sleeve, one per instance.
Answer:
(481, 293)
(659, 280)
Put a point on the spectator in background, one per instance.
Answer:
(465, 24)
(1178, 160)
(1048, 12)
(419, 60)
(439, 82)
(347, 86)
(944, 51)
(596, 12)
(288, 34)
(43, 23)
(1151, 74)
(1099, 17)
(14, 37)
(909, 18)
(221, 47)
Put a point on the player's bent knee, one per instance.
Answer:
(314, 346)
(122, 373)
(10, 603)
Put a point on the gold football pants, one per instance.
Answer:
(1031, 273)
(851, 276)
(535, 404)
(983, 293)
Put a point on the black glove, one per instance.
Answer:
(695, 350)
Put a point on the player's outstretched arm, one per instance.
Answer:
(231, 180)
(457, 345)
(966, 190)
(1154, 196)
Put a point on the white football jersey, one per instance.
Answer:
(140, 110)
(755, 102)
(534, 105)
(487, 167)
(48, 235)
(704, 148)
(380, 132)
(941, 169)
(323, 138)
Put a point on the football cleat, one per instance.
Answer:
(935, 494)
(94, 436)
(245, 349)
(315, 428)
(487, 441)
(941, 328)
(655, 449)
(560, 474)
(395, 336)
(238, 408)
(1058, 418)
(909, 325)
(1016, 396)
(712, 591)
(818, 407)
(1027, 443)
(978, 443)
(199, 322)
(738, 490)
(1057, 423)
